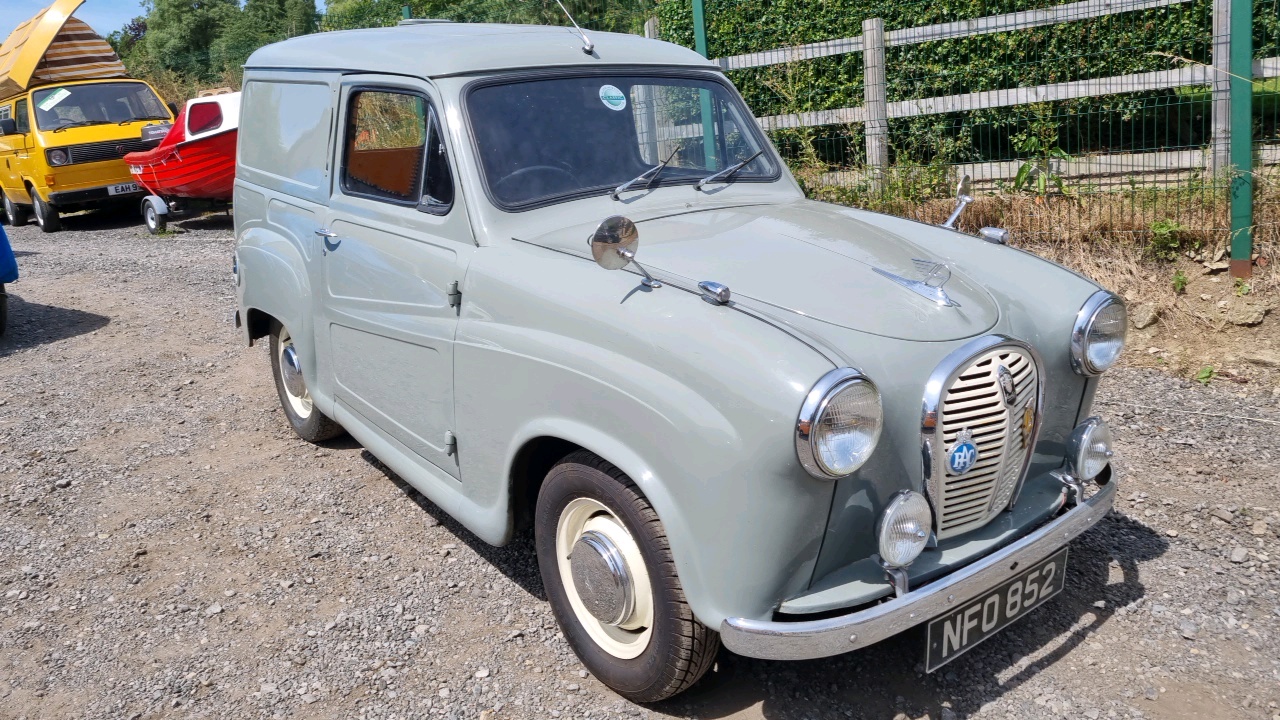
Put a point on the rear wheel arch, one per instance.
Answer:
(258, 323)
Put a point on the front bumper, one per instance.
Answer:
(810, 639)
(64, 198)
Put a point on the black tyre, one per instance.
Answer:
(156, 223)
(16, 213)
(307, 421)
(611, 581)
(47, 216)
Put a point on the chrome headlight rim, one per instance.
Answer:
(51, 153)
(815, 403)
(1080, 441)
(896, 504)
(1085, 319)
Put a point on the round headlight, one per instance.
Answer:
(1098, 335)
(1090, 448)
(904, 528)
(58, 157)
(839, 424)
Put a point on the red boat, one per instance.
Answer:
(196, 160)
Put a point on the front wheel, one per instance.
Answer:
(47, 216)
(611, 581)
(308, 422)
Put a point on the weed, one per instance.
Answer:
(1206, 374)
(1179, 281)
(1242, 288)
(1166, 239)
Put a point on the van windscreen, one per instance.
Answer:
(63, 106)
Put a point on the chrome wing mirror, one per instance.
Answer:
(614, 244)
(963, 198)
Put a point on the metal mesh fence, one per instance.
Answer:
(1076, 121)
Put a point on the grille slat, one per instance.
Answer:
(974, 401)
(106, 150)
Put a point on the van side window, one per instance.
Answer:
(5, 111)
(285, 138)
(386, 146)
(438, 196)
(21, 116)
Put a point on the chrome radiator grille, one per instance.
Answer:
(1003, 426)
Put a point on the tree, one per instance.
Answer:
(180, 33)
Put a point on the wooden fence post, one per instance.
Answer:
(1220, 143)
(875, 100)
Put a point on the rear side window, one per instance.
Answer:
(204, 117)
(285, 129)
(395, 151)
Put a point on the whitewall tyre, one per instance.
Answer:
(611, 581)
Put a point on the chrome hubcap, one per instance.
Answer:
(602, 579)
(605, 578)
(291, 371)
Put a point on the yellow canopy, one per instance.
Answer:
(54, 47)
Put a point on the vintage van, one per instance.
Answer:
(790, 427)
(68, 114)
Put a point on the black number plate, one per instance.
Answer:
(953, 634)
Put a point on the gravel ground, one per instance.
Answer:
(169, 549)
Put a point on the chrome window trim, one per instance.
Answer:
(942, 377)
(1080, 331)
(814, 403)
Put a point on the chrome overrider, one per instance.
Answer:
(808, 639)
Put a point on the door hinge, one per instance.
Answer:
(455, 295)
(450, 443)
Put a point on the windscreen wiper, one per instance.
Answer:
(655, 171)
(79, 123)
(725, 174)
(140, 119)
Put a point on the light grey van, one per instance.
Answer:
(785, 426)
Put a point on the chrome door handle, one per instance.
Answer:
(326, 233)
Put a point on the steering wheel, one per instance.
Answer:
(522, 172)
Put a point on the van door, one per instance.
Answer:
(13, 151)
(395, 244)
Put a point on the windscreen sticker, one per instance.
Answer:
(613, 98)
(53, 98)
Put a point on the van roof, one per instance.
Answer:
(438, 49)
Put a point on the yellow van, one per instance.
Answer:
(68, 114)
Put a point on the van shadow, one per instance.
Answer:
(32, 324)
(107, 218)
(887, 678)
(518, 559)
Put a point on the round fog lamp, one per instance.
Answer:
(58, 157)
(1090, 450)
(904, 528)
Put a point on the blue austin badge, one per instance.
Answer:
(964, 454)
